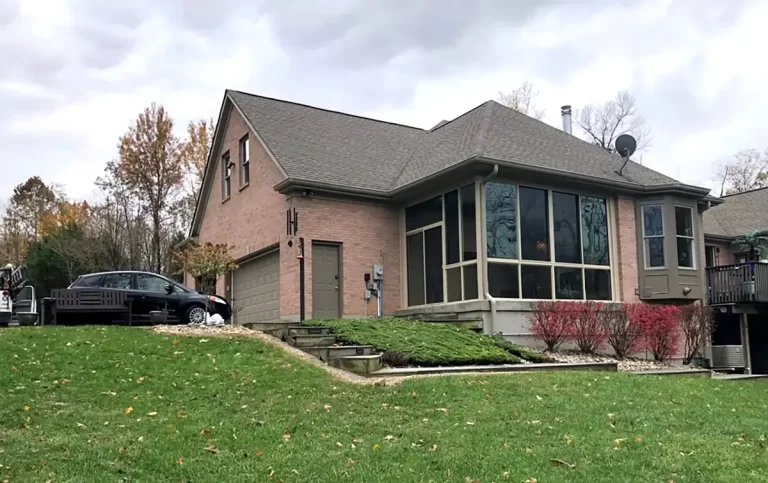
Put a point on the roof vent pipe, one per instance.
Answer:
(566, 112)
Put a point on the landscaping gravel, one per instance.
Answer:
(626, 365)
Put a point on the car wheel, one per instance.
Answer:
(195, 315)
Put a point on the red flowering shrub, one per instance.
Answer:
(587, 330)
(659, 328)
(622, 331)
(550, 323)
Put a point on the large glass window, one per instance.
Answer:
(563, 244)
(653, 236)
(684, 235)
(441, 248)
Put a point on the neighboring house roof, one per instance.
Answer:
(739, 214)
(323, 148)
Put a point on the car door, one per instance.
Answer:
(117, 281)
(153, 294)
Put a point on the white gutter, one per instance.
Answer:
(484, 256)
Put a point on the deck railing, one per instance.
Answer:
(736, 284)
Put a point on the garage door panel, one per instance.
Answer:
(256, 290)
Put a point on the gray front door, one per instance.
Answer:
(326, 281)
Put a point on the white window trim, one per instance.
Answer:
(646, 252)
(610, 268)
(692, 238)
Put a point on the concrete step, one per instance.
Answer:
(571, 366)
(268, 326)
(306, 330)
(302, 341)
(741, 377)
(336, 351)
(364, 365)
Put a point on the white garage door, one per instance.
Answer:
(256, 290)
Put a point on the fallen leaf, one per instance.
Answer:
(469, 479)
(433, 448)
(109, 393)
(538, 397)
(80, 425)
(179, 461)
(212, 449)
(350, 462)
(569, 441)
(140, 380)
(339, 444)
(13, 368)
(376, 447)
(531, 480)
(287, 436)
(153, 413)
(619, 441)
(258, 452)
(443, 410)
(638, 440)
(175, 342)
(65, 381)
(505, 475)
(205, 431)
(470, 423)
(122, 449)
(27, 408)
(357, 440)
(388, 437)
(327, 407)
(203, 340)
(180, 414)
(141, 439)
(128, 410)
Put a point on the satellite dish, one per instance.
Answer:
(625, 145)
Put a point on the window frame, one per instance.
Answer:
(693, 266)
(226, 176)
(551, 263)
(461, 263)
(646, 246)
(245, 161)
(715, 250)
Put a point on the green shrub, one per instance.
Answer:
(421, 343)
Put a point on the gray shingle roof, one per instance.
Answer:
(739, 214)
(348, 151)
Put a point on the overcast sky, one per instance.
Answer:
(75, 73)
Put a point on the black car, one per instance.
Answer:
(149, 292)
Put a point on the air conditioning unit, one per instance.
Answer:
(727, 356)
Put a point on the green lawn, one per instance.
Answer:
(237, 410)
(406, 342)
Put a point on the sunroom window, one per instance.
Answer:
(442, 227)
(545, 244)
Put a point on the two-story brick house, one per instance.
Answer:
(471, 220)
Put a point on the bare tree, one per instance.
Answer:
(194, 155)
(697, 323)
(747, 171)
(521, 100)
(603, 124)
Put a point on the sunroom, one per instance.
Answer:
(497, 245)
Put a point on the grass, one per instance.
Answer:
(236, 410)
(407, 342)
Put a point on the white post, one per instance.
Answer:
(745, 343)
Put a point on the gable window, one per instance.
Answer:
(245, 162)
(653, 236)
(226, 175)
(545, 244)
(684, 237)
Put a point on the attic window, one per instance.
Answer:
(226, 176)
(245, 161)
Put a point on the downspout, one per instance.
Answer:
(483, 253)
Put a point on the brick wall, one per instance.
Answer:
(368, 234)
(254, 216)
(627, 250)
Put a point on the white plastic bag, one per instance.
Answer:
(216, 320)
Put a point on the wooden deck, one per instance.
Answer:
(744, 283)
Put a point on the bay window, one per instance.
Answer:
(653, 236)
(684, 236)
(545, 244)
